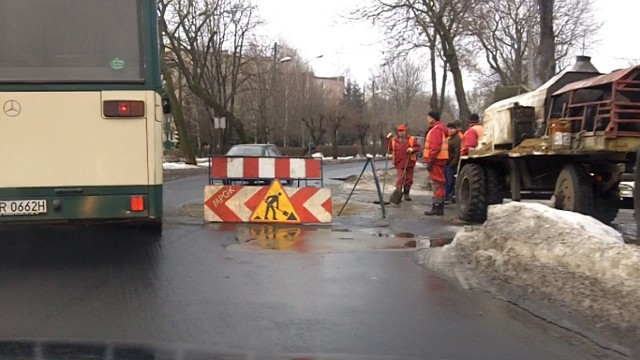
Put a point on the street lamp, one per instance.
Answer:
(306, 98)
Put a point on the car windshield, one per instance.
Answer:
(247, 150)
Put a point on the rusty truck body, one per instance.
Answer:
(572, 140)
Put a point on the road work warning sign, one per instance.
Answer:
(304, 205)
(275, 207)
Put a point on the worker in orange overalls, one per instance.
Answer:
(472, 135)
(403, 148)
(435, 155)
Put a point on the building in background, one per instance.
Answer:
(333, 87)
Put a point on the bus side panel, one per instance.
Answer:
(62, 139)
(154, 156)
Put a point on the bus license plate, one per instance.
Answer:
(23, 207)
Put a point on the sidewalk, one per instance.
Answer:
(407, 218)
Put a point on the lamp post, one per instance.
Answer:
(374, 113)
(286, 102)
(306, 98)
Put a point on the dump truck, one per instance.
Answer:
(571, 141)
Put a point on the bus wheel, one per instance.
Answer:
(573, 190)
(471, 193)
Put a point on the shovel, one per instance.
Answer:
(396, 196)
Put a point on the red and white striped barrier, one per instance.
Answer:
(257, 204)
(284, 168)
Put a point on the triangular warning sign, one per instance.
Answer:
(275, 207)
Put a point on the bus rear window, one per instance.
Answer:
(67, 41)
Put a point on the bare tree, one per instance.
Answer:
(335, 121)
(435, 25)
(178, 115)
(505, 35)
(575, 27)
(449, 19)
(401, 81)
(316, 127)
(253, 99)
(207, 39)
(509, 36)
(303, 98)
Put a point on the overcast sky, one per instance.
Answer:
(354, 50)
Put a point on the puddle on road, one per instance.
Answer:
(301, 239)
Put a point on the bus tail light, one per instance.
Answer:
(123, 109)
(137, 203)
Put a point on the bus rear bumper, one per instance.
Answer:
(48, 205)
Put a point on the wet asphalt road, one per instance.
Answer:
(115, 284)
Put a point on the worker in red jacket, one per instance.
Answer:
(435, 155)
(403, 148)
(472, 135)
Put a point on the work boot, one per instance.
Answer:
(406, 193)
(437, 208)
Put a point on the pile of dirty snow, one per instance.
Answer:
(367, 182)
(559, 256)
(181, 165)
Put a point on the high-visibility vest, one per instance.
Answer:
(444, 149)
(478, 129)
(412, 143)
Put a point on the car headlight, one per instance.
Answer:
(626, 190)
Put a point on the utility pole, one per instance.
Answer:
(266, 129)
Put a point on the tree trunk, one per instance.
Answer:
(546, 52)
(434, 79)
(443, 88)
(451, 56)
(178, 118)
(458, 83)
(334, 142)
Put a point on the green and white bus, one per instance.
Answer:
(80, 111)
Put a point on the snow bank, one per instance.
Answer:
(202, 162)
(562, 255)
(321, 155)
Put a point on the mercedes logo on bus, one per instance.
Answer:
(12, 108)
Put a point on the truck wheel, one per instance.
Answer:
(496, 186)
(573, 190)
(471, 191)
(605, 206)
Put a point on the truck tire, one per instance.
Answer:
(471, 193)
(573, 191)
(605, 206)
(496, 186)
